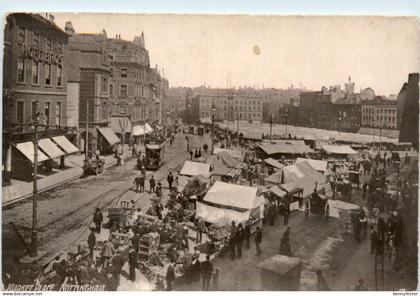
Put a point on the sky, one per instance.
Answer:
(269, 51)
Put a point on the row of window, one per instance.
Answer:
(36, 69)
(56, 118)
(241, 115)
(139, 90)
(369, 118)
(379, 110)
(138, 74)
(38, 41)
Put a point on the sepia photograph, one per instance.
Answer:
(209, 152)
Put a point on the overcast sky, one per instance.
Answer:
(274, 51)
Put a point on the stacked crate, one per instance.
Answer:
(148, 245)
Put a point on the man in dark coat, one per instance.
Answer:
(374, 241)
(206, 273)
(170, 180)
(97, 219)
(152, 184)
(117, 265)
(286, 213)
(132, 262)
(239, 240)
(258, 240)
(247, 236)
(91, 242)
(170, 277)
(232, 240)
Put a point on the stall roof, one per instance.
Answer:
(252, 135)
(228, 160)
(338, 149)
(149, 129)
(232, 195)
(279, 264)
(234, 153)
(192, 168)
(27, 149)
(318, 165)
(285, 148)
(218, 167)
(220, 216)
(50, 148)
(65, 144)
(273, 163)
(109, 135)
(277, 191)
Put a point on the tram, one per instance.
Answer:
(155, 152)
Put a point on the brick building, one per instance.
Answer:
(315, 108)
(34, 85)
(90, 80)
(379, 113)
(346, 115)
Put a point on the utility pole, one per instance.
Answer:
(285, 115)
(237, 128)
(271, 126)
(87, 129)
(380, 136)
(35, 193)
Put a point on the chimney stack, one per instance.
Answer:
(69, 28)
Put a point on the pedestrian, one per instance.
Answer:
(286, 233)
(107, 252)
(117, 265)
(170, 277)
(271, 213)
(232, 240)
(307, 209)
(374, 241)
(191, 154)
(365, 186)
(97, 219)
(286, 213)
(206, 273)
(199, 152)
(132, 262)
(91, 242)
(170, 180)
(247, 235)
(285, 248)
(137, 182)
(200, 229)
(258, 240)
(360, 286)
(321, 282)
(152, 184)
(141, 182)
(239, 240)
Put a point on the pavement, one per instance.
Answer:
(19, 189)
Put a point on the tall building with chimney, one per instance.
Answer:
(409, 131)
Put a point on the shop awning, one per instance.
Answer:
(109, 135)
(27, 149)
(65, 144)
(50, 148)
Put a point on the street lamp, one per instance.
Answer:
(213, 111)
(339, 124)
(285, 116)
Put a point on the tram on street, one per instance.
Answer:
(155, 152)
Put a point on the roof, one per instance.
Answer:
(119, 124)
(318, 165)
(285, 148)
(277, 191)
(228, 160)
(274, 163)
(299, 175)
(232, 195)
(220, 216)
(338, 149)
(390, 133)
(279, 264)
(218, 167)
(234, 153)
(192, 168)
(252, 135)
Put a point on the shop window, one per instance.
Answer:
(58, 113)
(20, 112)
(34, 109)
(47, 106)
(35, 72)
(123, 90)
(21, 70)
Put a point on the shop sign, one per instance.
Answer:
(39, 55)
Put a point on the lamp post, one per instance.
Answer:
(285, 116)
(271, 125)
(35, 124)
(213, 111)
(339, 125)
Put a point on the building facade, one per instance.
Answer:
(89, 52)
(346, 115)
(315, 108)
(34, 80)
(379, 113)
